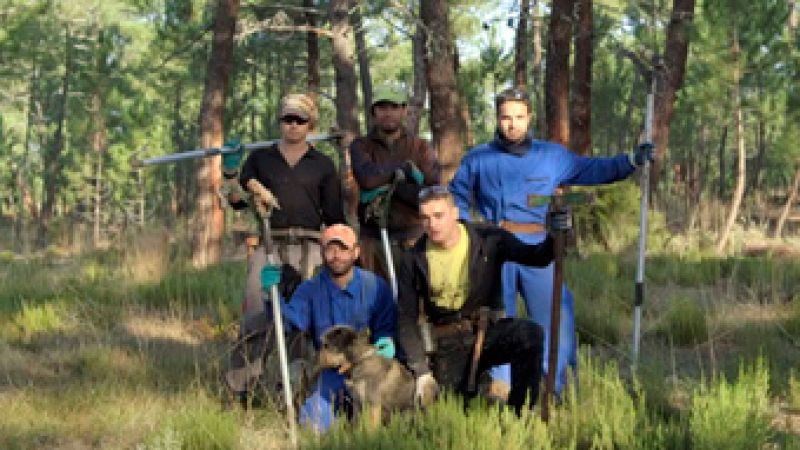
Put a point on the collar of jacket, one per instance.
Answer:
(515, 148)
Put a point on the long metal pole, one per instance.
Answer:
(204, 152)
(643, 207)
(279, 336)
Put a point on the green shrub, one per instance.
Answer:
(733, 415)
(196, 429)
(685, 322)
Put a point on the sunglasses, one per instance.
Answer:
(297, 120)
(435, 191)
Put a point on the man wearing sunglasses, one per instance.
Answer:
(299, 187)
(377, 158)
(509, 181)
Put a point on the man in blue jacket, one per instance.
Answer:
(341, 294)
(505, 180)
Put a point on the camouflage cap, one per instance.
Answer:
(391, 93)
(299, 105)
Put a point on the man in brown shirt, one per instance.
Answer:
(377, 159)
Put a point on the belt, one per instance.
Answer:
(293, 233)
(460, 327)
(515, 227)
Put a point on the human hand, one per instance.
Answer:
(427, 389)
(372, 194)
(642, 154)
(559, 220)
(232, 160)
(385, 347)
(412, 172)
(270, 276)
(264, 200)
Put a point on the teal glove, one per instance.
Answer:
(412, 172)
(385, 347)
(270, 276)
(372, 194)
(232, 161)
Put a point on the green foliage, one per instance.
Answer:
(196, 429)
(685, 322)
(733, 415)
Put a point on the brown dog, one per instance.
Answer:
(377, 384)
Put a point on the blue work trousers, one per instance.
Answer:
(536, 286)
(320, 408)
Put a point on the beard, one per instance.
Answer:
(339, 268)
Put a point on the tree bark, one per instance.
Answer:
(557, 71)
(521, 47)
(669, 79)
(208, 222)
(363, 66)
(580, 131)
(738, 193)
(447, 124)
(99, 147)
(761, 146)
(537, 89)
(791, 198)
(417, 103)
(312, 50)
(344, 68)
(52, 157)
(723, 142)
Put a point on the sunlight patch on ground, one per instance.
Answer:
(160, 328)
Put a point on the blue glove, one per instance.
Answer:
(231, 161)
(385, 347)
(642, 153)
(270, 276)
(412, 172)
(372, 194)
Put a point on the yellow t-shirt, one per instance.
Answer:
(448, 272)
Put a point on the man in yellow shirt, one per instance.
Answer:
(446, 283)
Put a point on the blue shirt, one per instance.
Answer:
(504, 186)
(366, 302)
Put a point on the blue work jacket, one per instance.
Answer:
(504, 185)
(366, 302)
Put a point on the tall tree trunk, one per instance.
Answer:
(346, 98)
(363, 65)
(580, 131)
(538, 89)
(52, 157)
(557, 71)
(723, 170)
(344, 68)
(738, 193)
(761, 146)
(99, 147)
(209, 221)
(521, 47)
(417, 103)
(669, 79)
(312, 50)
(22, 187)
(446, 121)
(791, 198)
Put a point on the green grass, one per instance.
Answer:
(124, 349)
